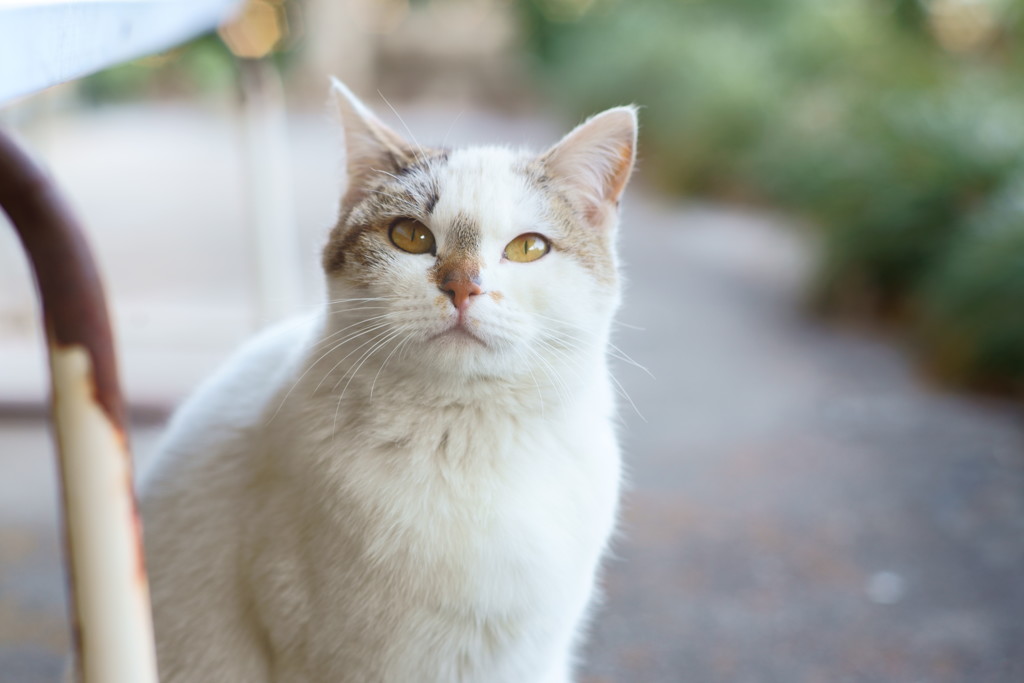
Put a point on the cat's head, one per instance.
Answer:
(478, 261)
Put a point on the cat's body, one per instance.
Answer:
(423, 496)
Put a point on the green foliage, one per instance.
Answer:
(895, 135)
(717, 78)
(972, 313)
(896, 186)
(203, 65)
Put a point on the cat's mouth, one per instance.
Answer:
(458, 334)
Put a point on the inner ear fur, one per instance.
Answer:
(371, 147)
(595, 160)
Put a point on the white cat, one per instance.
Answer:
(417, 484)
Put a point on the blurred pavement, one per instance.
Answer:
(801, 509)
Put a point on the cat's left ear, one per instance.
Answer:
(594, 162)
(371, 147)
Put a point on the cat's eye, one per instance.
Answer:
(408, 234)
(528, 247)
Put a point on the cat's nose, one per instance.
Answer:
(461, 290)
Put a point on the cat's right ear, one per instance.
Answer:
(593, 162)
(371, 148)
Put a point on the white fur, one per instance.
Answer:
(423, 510)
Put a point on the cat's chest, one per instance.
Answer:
(472, 530)
(481, 502)
(461, 488)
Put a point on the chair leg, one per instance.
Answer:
(112, 632)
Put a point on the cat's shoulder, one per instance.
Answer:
(253, 373)
(236, 397)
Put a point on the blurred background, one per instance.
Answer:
(824, 248)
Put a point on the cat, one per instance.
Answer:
(418, 483)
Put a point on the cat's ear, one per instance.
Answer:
(593, 162)
(371, 148)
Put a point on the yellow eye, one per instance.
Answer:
(408, 234)
(528, 247)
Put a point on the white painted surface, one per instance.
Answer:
(111, 592)
(43, 43)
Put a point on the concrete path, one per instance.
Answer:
(801, 507)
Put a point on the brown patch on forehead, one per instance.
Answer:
(588, 244)
(366, 251)
(408, 191)
(338, 245)
(462, 236)
(432, 200)
(460, 256)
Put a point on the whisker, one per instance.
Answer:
(382, 365)
(375, 344)
(540, 393)
(558, 383)
(364, 298)
(573, 364)
(402, 201)
(449, 131)
(626, 395)
(423, 154)
(315, 363)
(379, 170)
(329, 338)
(335, 312)
(334, 308)
(623, 356)
(355, 370)
(616, 351)
(364, 344)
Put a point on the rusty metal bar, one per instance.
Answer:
(110, 609)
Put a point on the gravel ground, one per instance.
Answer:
(801, 506)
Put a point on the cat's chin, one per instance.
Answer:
(458, 336)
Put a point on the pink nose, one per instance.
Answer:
(461, 290)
